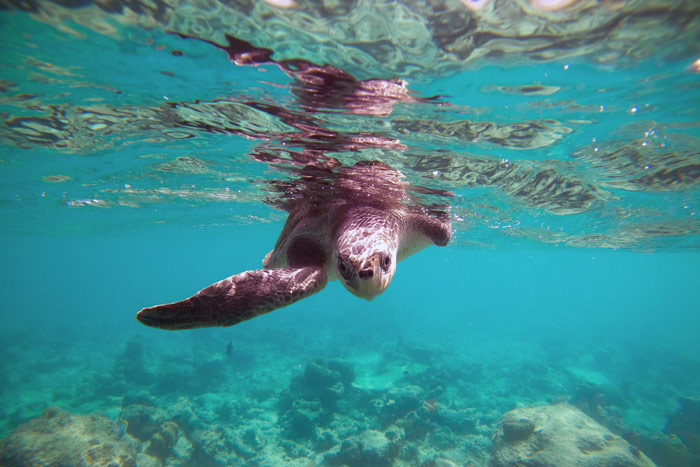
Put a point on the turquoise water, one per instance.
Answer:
(139, 166)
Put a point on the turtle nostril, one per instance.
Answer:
(366, 274)
(385, 262)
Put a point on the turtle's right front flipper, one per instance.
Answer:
(237, 298)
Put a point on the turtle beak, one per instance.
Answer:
(371, 280)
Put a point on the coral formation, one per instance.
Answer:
(409, 405)
(144, 421)
(163, 440)
(151, 426)
(58, 438)
(559, 435)
(323, 411)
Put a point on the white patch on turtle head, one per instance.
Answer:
(365, 258)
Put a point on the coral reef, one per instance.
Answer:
(58, 438)
(559, 435)
(323, 412)
(406, 405)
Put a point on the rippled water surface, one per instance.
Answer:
(148, 149)
(581, 133)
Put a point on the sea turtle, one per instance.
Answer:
(354, 226)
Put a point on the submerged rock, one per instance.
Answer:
(416, 425)
(434, 381)
(324, 389)
(346, 371)
(299, 421)
(460, 421)
(130, 365)
(516, 428)
(144, 420)
(603, 404)
(58, 438)
(664, 450)
(403, 399)
(558, 435)
(397, 403)
(327, 381)
(370, 448)
(686, 424)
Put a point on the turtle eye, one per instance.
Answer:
(344, 269)
(385, 262)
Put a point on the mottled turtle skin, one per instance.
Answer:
(355, 231)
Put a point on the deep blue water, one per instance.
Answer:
(542, 295)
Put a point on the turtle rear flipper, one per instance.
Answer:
(237, 298)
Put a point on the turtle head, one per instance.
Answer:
(365, 260)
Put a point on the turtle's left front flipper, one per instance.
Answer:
(237, 298)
